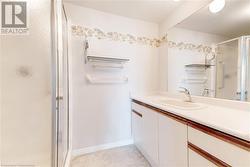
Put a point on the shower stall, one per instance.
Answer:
(233, 69)
(61, 129)
(34, 103)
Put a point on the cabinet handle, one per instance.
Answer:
(137, 113)
(207, 156)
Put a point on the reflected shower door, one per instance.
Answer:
(227, 70)
(248, 66)
(233, 69)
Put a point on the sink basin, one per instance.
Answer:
(180, 104)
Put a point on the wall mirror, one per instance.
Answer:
(212, 47)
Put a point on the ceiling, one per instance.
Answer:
(232, 21)
(147, 10)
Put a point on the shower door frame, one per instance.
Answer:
(53, 79)
(243, 59)
(57, 10)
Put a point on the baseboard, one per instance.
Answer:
(87, 150)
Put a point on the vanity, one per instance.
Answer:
(170, 132)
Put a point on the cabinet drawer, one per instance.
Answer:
(229, 153)
(138, 108)
(196, 160)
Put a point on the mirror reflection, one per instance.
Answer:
(216, 62)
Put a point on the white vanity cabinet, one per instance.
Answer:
(172, 142)
(145, 132)
(168, 140)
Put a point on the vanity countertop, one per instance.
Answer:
(231, 120)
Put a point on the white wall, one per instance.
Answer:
(101, 113)
(177, 58)
(163, 65)
(26, 92)
(181, 13)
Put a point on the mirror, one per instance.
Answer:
(213, 52)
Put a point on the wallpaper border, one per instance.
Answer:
(131, 39)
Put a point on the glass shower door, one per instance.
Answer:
(25, 90)
(63, 92)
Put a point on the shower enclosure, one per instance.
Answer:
(62, 91)
(34, 108)
(61, 87)
(233, 69)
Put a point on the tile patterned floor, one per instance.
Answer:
(126, 156)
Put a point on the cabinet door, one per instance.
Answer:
(172, 143)
(137, 129)
(196, 160)
(145, 132)
(150, 136)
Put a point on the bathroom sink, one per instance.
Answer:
(180, 104)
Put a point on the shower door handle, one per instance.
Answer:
(222, 82)
(59, 98)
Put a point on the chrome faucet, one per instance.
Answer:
(187, 93)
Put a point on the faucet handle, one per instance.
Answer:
(187, 93)
(185, 90)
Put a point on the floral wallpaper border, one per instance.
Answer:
(190, 46)
(116, 36)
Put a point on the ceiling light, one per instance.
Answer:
(176, 0)
(216, 6)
